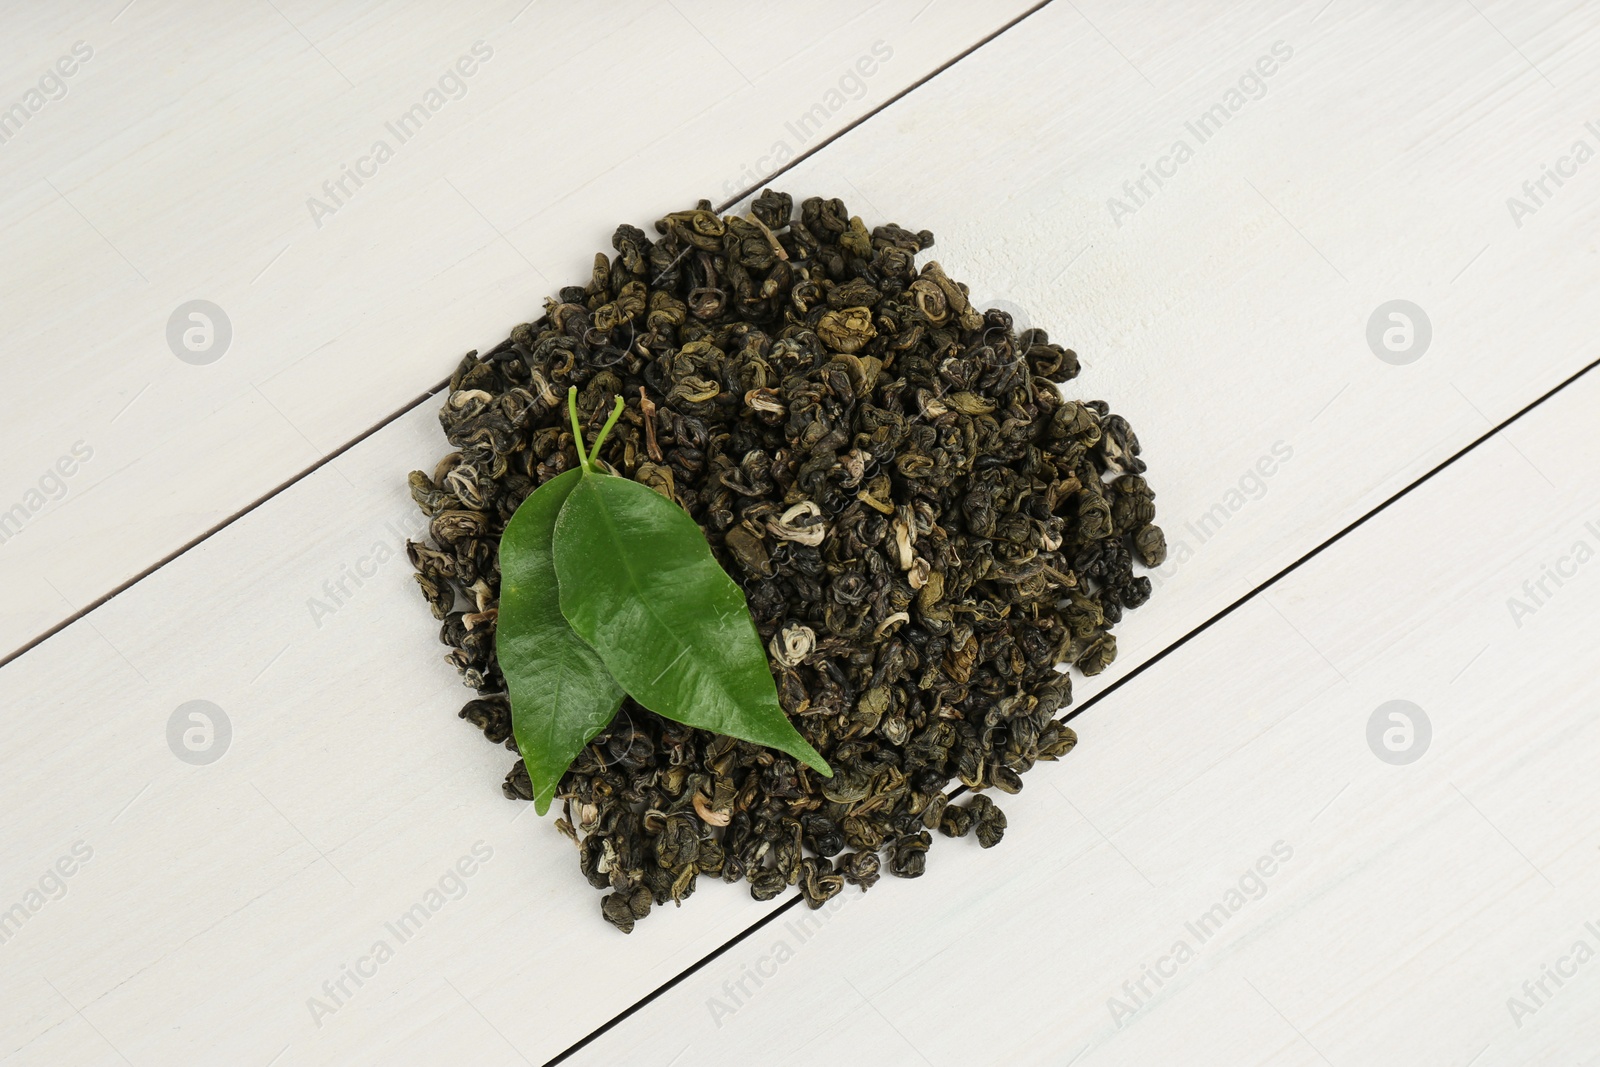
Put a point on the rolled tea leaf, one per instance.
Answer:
(561, 693)
(639, 584)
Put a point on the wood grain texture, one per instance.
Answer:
(1225, 316)
(1210, 317)
(182, 163)
(1406, 904)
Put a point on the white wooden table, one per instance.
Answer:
(1226, 871)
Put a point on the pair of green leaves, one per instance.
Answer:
(609, 589)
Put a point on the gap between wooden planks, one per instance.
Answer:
(790, 902)
(1142, 426)
(187, 443)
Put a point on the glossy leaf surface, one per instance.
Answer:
(640, 586)
(561, 693)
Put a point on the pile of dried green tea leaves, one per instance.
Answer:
(924, 529)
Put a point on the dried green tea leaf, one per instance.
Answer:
(639, 584)
(925, 530)
(561, 693)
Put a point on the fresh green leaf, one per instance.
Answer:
(608, 588)
(639, 584)
(561, 693)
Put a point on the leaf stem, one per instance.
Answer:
(577, 430)
(616, 413)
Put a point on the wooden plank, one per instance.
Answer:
(311, 844)
(1226, 871)
(1211, 314)
(347, 792)
(187, 161)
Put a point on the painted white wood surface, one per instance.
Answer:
(222, 898)
(1407, 904)
(181, 162)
